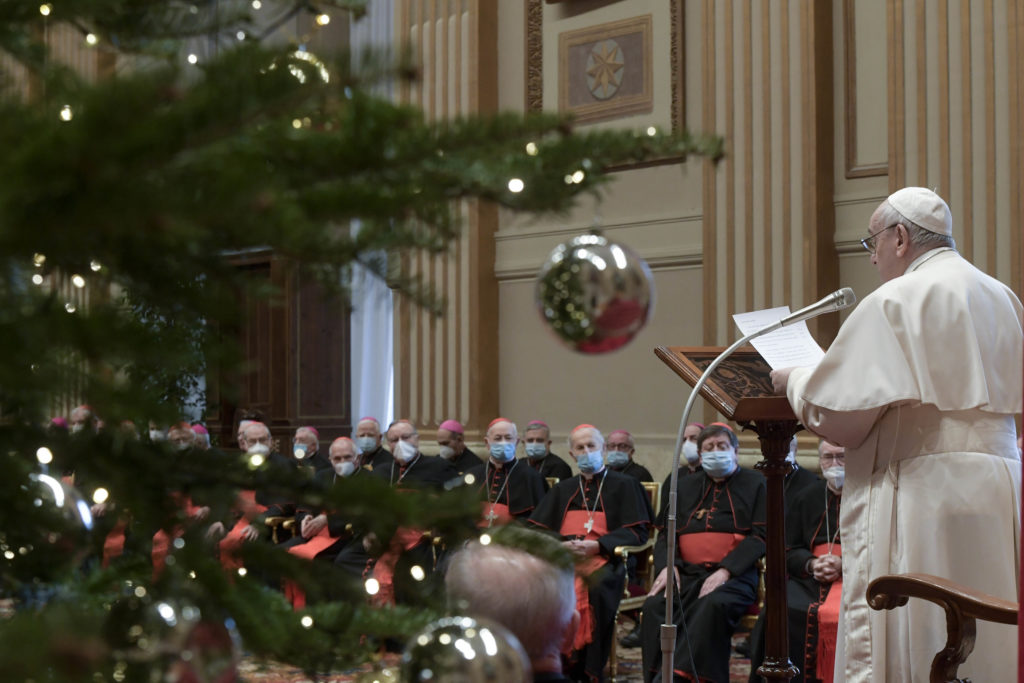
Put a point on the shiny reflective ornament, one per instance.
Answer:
(595, 294)
(173, 638)
(464, 650)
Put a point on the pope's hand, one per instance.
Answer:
(780, 380)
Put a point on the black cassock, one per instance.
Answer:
(721, 525)
(550, 466)
(807, 528)
(508, 492)
(426, 472)
(637, 471)
(622, 516)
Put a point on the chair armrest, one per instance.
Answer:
(961, 605)
(625, 551)
(887, 592)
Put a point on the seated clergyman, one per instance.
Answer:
(719, 538)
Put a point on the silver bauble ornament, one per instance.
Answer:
(595, 294)
(465, 650)
(174, 638)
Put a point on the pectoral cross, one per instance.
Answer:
(490, 517)
(589, 525)
(701, 513)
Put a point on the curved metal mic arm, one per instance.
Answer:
(668, 629)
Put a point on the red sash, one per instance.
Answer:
(494, 514)
(230, 544)
(384, 570)
(113, 544)
(707, 547)
(575, 524)
(828, 621)
(309, 550)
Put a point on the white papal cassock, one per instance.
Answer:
(921, 386)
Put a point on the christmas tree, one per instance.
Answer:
(122, 193)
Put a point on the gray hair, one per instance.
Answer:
(920, 238)
(598, 437)
(524, 593)
(515, 430)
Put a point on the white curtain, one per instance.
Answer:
(373, 368)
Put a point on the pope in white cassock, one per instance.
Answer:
(921, 386)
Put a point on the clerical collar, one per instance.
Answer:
(927, 256)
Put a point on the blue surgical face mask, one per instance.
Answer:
(503, 451)
(590, 462)
(366, 443)
(718, 463)
(536, 451)
(618, 459)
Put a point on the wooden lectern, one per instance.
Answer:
(741, 389)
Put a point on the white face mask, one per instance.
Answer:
(259, 449)
(405, 451)
(345, 468)
(447, 452)
(835, 476)
(690, 451)
(156, 435)
(366, 443)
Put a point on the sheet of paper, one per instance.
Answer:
(786, 347)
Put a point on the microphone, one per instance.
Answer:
(836, 301)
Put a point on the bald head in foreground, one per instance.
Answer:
(531, 596)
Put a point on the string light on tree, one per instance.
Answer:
(78, 281)
(95, 266)
(256, 4)
(192, 58)
(44, 455)
(323, 19)
(652, 131)
(65, 113)
(531, 148)
(37, 279)
(45, 9)
(38, 260)
(515, 185)
(91, 39)
(70, 307)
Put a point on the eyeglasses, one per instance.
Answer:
(869, 241)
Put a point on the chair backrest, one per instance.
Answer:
(653, 490)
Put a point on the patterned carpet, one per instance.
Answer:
(630, 668)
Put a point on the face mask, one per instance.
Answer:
(259, 449)
(76, 428)
(791, 458)
(154, 434)
(300, 451)
(717, 463)
(536, 451)
(344, 469)
(366, 443)
(447, 452)
(836, 476)
(181, 446)
(503, 451)
(590, 462)
(405, 451)
(617, 459)
(690, 451)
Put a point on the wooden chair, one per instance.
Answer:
(644, 571)
(276, 523)
(748, 620)
(963, 607)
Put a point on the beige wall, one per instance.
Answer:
(813, 148)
